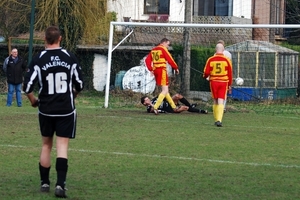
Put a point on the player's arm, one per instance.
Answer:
(29, 81)
(5, 64)
(170, 60)
(206, 71)
(33, 100)
(181, 108)
(30, 78)
(77, 79)
(229, 71)
(150, 109)
(148, 62)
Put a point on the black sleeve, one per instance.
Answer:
(148, 109)
(77, 79)
(30, 78)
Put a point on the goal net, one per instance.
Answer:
(265, 56)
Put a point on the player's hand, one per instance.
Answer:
(75, 93)
(229, 90)
(177, 71)
(35, 103)
(33, 100)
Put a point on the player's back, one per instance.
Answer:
(218, 67)
(55, 70)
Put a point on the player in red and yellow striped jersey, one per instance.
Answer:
(156, 62)
(219, 70)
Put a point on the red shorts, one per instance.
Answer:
(218, 89)
(161, 76)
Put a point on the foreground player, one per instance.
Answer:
(156, 62)
(165, 107)
(60, 80)
(219, 70)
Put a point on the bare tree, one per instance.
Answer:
(293, 17)
(81, 21)
(14, 18)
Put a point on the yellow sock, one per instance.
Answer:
(170, 100)
(215, 112)
(220, 109)
(160, 98)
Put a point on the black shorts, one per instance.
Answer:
(168, 109)
(63, 126)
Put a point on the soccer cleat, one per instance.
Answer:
(218, 124)
(194, 105)
(60, 192)
(204, 111)
(45, 187)
(155, 111)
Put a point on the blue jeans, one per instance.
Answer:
(11, 89)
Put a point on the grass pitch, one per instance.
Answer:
(122, 152)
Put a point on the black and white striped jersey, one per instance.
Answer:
(164, 107)
(57, 72)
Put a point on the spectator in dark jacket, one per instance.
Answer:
(14, 67)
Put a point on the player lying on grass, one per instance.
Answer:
(165, 107)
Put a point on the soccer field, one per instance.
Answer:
(126, 153)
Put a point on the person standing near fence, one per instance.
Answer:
(14, 67)
(59, 77)
(219, 70)
(156, 62)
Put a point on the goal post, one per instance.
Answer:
(264, 65)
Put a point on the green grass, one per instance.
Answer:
(122, 152)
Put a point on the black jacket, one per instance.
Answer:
(14, 71)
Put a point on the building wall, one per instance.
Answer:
(261, 12)
(268, 12)
(135, 9)
(100, 72)
(257, 11)
(242, 8)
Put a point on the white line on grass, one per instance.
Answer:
(168, 157)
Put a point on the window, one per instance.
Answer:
(213, 7)
(156, 6)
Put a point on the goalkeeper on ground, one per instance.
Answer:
(165, 107)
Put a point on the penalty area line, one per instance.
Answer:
(188, 158)
(169, 157)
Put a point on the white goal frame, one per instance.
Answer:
(136, 24)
